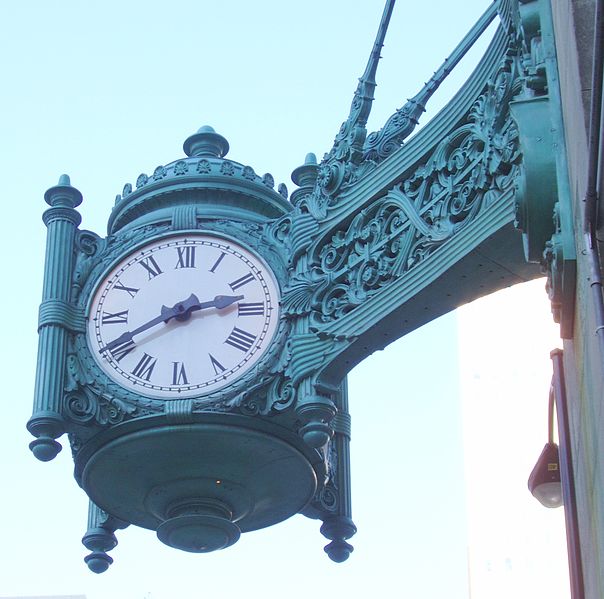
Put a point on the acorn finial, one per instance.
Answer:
(206, 142)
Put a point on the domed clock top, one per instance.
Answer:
(215, 185)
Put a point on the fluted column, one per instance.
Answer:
(340, 527)
(61, 220)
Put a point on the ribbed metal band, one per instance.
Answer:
(179, 411)
(60, 313)
(341, 424)
(184, 217)
(61, 213)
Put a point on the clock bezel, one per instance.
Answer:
(85, 370)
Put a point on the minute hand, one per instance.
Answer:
(180, 311)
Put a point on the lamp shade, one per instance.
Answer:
(544, 481)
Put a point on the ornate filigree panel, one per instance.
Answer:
(467, 172)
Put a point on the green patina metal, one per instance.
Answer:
(382, 236)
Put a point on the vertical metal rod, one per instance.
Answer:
(550, 414)
(343, 446)
(590, 213)
(567, 478)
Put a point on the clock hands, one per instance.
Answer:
(180, 311)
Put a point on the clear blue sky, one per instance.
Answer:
(106, 90)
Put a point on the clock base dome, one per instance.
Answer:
(198, 533)
(199, 485)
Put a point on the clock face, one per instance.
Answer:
(183, 316)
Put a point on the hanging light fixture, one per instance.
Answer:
(544, 482)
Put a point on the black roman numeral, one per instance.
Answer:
(151, 266)
(222, 255)
(218, 367)
(253, 309)
(240, 339)
(131, 291)
(117, 318)
(186, 257)
(179, 376)
(122, 350)
(144, 368)
(244, 280)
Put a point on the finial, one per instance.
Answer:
(99, 540)
(63, 194)
(305, 177)
(374, 58)
(307, 173)
(206, 142)
(45, 448)
(338, 529)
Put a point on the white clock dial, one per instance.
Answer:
(183, 316)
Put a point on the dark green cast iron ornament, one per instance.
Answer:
(197, 355)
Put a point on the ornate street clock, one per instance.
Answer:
(164, 353)
(197, 356)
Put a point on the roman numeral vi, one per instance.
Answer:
(179, 375)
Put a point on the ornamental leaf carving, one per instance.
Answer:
(181, 168)
(204, 166)
(300, 295)
(227, 168)
(159, 173)
(249, 405)
(76, 375)
(84, 406)
(282, 189)
(277, 394)
(248, 173)
(326, 499)
(88, 246)
(278, 232)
